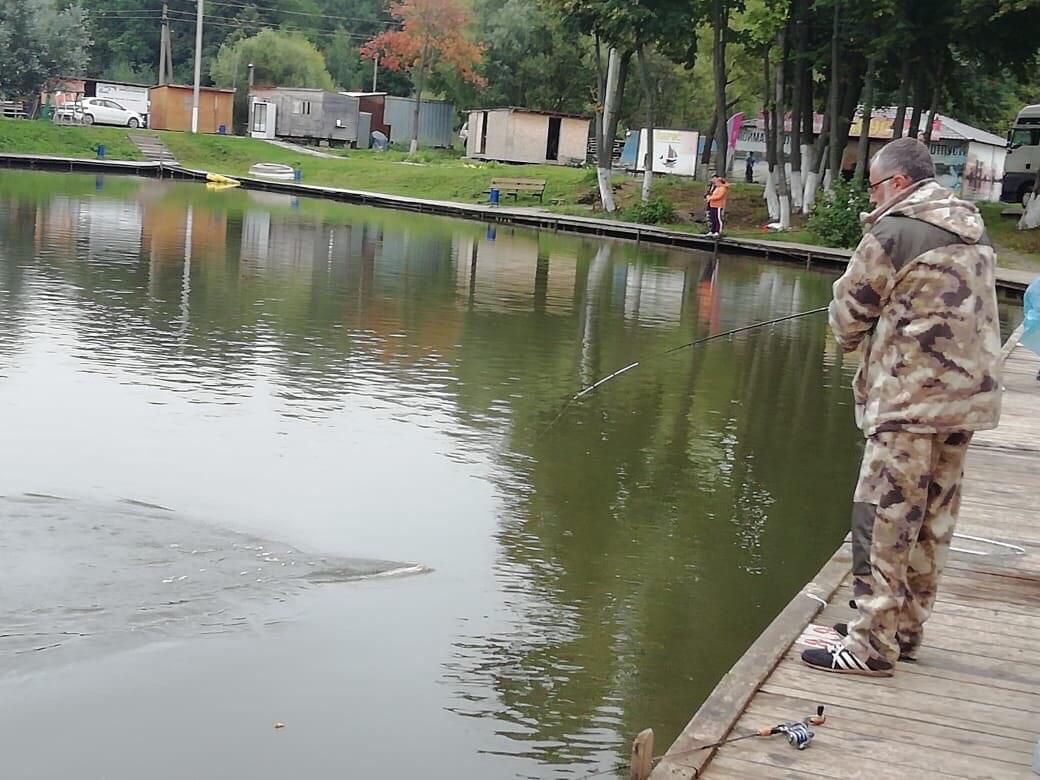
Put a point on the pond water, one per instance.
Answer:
(273, 460)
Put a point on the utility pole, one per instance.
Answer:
(165, 50)
(198, 69)
(252, 70)
(375, 71)
(162, 46)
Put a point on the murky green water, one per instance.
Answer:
(289, 377)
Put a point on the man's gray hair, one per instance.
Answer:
(907, 156)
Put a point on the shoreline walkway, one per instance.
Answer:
(1008, 280)
(970, 706)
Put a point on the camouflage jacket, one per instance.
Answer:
(919, 301)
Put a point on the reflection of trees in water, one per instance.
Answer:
(17, 225)
(195, 298)
(660, 526)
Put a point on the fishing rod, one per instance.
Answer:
(595, 385)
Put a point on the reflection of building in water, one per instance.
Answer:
(654, 296)
(171, 233)
(256, 236)
(103, 228)
(273, 243)
(509, 274)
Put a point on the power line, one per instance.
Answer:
(142, 14)
(385, 22)
(241, 24)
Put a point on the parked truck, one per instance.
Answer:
(1023, 156)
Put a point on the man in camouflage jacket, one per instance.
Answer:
(919, 303)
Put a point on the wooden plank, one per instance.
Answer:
(901, 747)
(729, 768)
(978, 716)
(767, 706)
(902, 709)
(827, 756)
(723, 706)
(955, 689)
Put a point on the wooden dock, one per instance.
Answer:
(969, 707)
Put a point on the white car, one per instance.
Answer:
(102, 111)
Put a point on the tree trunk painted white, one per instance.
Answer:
(782, 191)
(785, 212)
(797, 190)
(828, 180)
(648, 177)
(648, 94)
(812, 183)
(772, 201)
(603, 172)
(606, 192)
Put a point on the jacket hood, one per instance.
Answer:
(930, 202)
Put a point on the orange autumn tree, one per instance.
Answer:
(432, 34)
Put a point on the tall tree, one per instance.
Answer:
(39, 40)
(533, 57)
(666, 25)
(799, 97)
(609, 23)
(836, 143)
(279, 59)
(720, 11)
(432, 35)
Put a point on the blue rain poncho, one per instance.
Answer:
(1031, 326)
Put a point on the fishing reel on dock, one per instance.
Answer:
(798, 734)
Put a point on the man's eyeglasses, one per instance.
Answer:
(874, 185)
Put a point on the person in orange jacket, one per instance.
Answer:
(716, 198)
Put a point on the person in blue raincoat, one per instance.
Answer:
(1031, 325)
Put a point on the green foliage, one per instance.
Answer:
(38, 41)
(280, 58)
(834, 220)
(531, 58)
(656, 212)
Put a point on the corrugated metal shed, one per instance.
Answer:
(436, 121)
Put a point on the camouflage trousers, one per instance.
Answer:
(904, 513)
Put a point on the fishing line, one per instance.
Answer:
(586, 390)
(797, 734)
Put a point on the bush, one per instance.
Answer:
(657, 211)
(834, 220)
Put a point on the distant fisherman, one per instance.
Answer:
(919, 302)
(716, 198)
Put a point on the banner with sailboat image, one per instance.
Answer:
(675, 151)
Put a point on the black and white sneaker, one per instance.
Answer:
(905, 653)
(838, 658)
